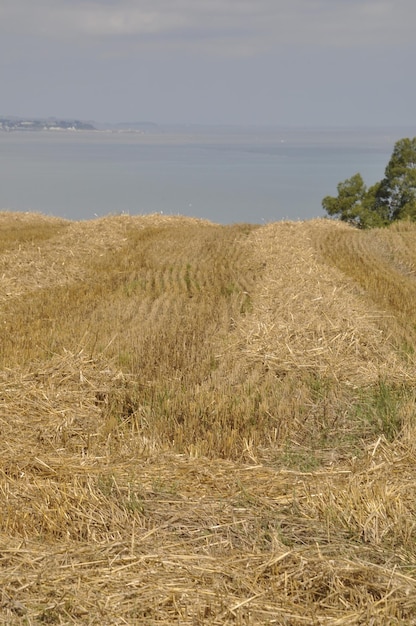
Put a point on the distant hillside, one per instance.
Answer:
(144, 126)
(207, 424)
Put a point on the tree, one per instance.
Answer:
(398, 188)
(347, 204)
(355, 203)
(391, 199)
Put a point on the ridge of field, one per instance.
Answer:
(205, 424)
(311, 316)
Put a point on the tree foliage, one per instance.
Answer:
(391, 199)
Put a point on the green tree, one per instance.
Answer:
(397, 193)
(391, 199)
(347, 205)
(355, 203)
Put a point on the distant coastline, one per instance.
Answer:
(9, 124)
(14, 123)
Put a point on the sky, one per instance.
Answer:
(244, 62)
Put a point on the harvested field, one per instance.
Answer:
(206, 424)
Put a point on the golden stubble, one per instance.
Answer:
(206, 424)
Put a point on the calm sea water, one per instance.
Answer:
(225, 175)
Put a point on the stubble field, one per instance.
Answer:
(205, 424)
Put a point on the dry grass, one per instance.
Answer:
(383, 263)
(206, 424)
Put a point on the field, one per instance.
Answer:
(206, 424)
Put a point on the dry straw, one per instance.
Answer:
(310, 315)
(204, 424)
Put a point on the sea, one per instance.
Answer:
(223, 174)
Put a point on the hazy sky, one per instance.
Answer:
(284, 62)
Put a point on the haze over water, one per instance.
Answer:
(222, 174)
